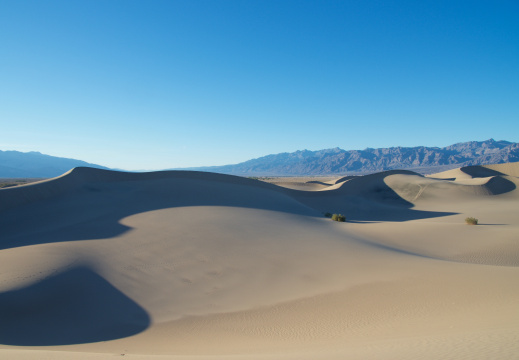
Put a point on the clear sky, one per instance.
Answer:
(143, 85)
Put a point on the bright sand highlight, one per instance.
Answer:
(187, 265)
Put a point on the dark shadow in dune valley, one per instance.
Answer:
(74, 307)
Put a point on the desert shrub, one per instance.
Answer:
(338, 217)
(327, 214)
(471, 221)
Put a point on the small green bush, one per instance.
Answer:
(338, 217)
(471, 221)
(327, 214)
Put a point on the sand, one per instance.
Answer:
(189, 265)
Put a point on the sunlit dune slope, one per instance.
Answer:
(238, 242)
(183, 264)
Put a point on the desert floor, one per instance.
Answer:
(186, 265)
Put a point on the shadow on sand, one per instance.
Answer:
(367, 199)
(480, 171)
(74, 307)
(92, 208)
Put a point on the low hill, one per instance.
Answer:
(16, 164)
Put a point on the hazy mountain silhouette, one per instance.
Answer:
(15, 164)
(339, 161)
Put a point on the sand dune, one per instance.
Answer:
(174, 265)
(469, 172)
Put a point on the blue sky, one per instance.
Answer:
(166, 84)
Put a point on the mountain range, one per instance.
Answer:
(336, 161)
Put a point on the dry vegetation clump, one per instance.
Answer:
(471, 221)
(338, 217)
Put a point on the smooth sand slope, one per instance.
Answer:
(187, 265)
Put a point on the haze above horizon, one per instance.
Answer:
(170, 84)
